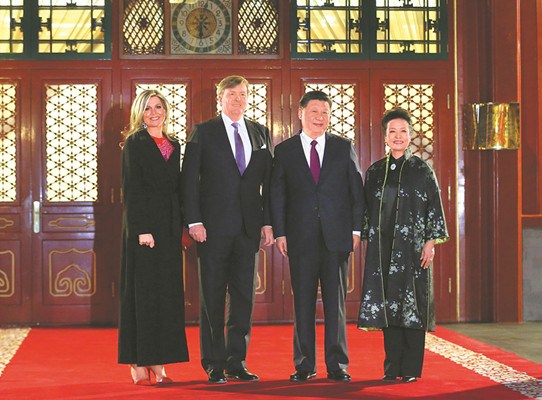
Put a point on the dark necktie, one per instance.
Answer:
(315, 162)
(239, 149)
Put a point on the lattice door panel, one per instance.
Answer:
(176, 95)
(71, 142)
(343, 115)
(74, 229)
(426, 96)
(8, 141)
(349, 113)
(418, 100)
(258, 103)
(13, 245)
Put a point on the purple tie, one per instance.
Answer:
(315, 162)
(239, 149)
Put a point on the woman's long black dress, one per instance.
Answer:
(151, 327)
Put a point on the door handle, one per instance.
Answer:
(36, 216)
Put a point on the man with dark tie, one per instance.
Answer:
(225, 182)
(317, 205)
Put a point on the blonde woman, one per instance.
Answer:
(151, 326)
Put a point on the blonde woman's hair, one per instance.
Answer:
(138, 108)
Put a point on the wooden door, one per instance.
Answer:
(193, 96)
(264, 107)
(15, 199)
(349, 93)
(73, 262)
(362, 96)
(55, 252)
(426, 94)
(179, 87)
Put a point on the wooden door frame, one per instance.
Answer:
(201, 106)
(15, 232)
(269, 300)
(96, 308)
(445, 166)
(360, 77)
(192, 79)
(371, 148)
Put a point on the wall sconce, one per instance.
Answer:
(491, 126)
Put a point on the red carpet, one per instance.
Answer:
(80, 363)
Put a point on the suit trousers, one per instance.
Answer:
(404, 351)
(330, 269)
(226, 274)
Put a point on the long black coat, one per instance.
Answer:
(408, 299)
(151, 328)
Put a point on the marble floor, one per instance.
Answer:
(523, 339)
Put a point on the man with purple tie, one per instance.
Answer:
(225, 184)
(317, 206)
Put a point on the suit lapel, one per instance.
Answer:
(222, 141)
(329, 154)
(155, 151)
(299, 157)
(256, 139)
(168, 165)
(176, 149)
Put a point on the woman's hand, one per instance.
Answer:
(428, 253)
(146, 239)
(282, 246)
(267, 238)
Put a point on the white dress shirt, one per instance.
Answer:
(243, 132)
(320, 147)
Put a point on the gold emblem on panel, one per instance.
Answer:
(261, 279)
(350, 282)
(72, 279)
(76, 223)
(5, 223)
(7, 275)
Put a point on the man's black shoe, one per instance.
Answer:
(242, 375)
(302, 376)
(409, 379)
(216, 376)
(339, 375)
(389, 378)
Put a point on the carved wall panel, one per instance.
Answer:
(10, 272)
(69, 272)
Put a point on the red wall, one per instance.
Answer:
(498, 62)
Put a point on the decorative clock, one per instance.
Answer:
(201, 27)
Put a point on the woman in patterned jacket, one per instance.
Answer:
(405, 220)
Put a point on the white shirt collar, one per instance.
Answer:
(228, 121)
(321, 140)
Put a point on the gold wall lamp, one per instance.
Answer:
(491, 126)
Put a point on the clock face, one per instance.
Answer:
(203, 26)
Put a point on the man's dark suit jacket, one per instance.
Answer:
(215, 193)
(337, 203)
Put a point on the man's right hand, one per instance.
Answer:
(282, 245)
(198, 233)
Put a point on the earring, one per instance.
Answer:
(144, 125)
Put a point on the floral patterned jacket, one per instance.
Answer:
(408, 300)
